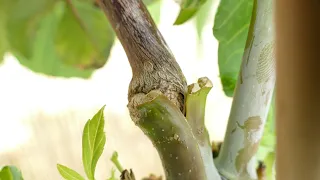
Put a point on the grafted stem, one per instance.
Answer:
(153, 65)
(157, 90)
(172, 136)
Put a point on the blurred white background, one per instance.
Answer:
(41, 118)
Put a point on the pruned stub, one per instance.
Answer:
(166, 78)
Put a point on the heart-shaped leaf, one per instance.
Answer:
(23, 23)
(84, 36)
(43, 58)
(57, 38)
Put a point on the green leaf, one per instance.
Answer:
(23, 23)
(68, 173)
(93, 141)
(201, 17)
(154, 7)
(44, 36)
(4, 46)
(188, 10)
(84, 37)
(150, 2)
(231, 30)
(10, 173)
(43, 58)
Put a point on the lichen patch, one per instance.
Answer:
(251, 129)
(266, 63)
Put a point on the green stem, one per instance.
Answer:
(114, 159)
(172, 136)
(252, 98)
(195, 114)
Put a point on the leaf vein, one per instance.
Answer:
(237, 33)
(230, 14)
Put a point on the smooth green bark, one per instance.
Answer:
(172, 136)
(195, 114)
(252, 98)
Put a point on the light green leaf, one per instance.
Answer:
(154, 7)
(93, 141)
(201, 18)
(92, 2)
(31, 33)
(68, 173)
(188, 9)
(231, 30)
(43, 57)
(23, 23)
(10, 173)
(84, 37)
(150, 2)
(4, 46)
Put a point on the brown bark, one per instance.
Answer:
(153, 65)
(298, 88)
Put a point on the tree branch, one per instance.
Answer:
(252, 98)
(195, 114)
(172, 136)
(153, 65)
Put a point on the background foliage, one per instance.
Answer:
(66, 38)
